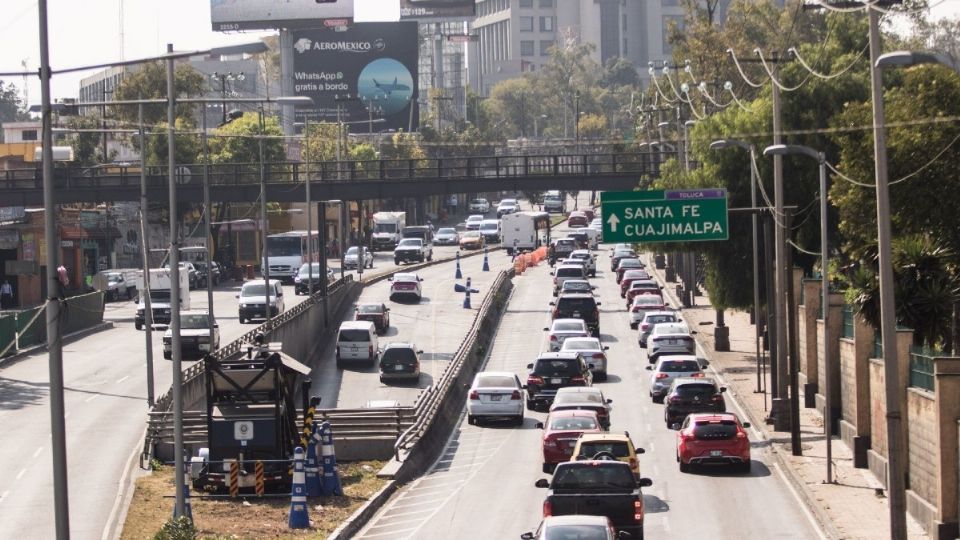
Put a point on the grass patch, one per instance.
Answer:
(249, 518)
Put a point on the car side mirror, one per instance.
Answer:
(723, 389)
(645, 482)
(542, 483)
(419, 352)
(386, 310)
(390, 278)
(527, 536)
(622, 535)
(545, 329)
(599, 303)
(606, 347)
(523, 387)
(591, 366)
(419, 279)
(216, 325)
(705, 362)
(639, 451)
(746, 425)
(692, 332)
(675, 426)
(538, 425)
(237, 296)
(529, 366)
(551, 303)
(609, 401)
(649, 368)
(551, 273)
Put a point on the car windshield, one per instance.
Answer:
(255, 289)
(305, 269)
(657, 319)
(404, 278)
(471, 234)
(412, 242)
(629, 263)
(353, 251)
(578, 397)
(573, 423)
(679, 366)
(568, 326)
(370, 308)
(283, 247)
(648, 300)
(690, 391)
(624, 253)
(496, 381)
(194, 322)
(587, 477)
(354, 336)
(635, 274)
(556, 368)
(113, 278)
(576, 304)
(581, 345)
(160, 296)
(447, 231)
(619, 449)
(475, 218)
(384, 227)
(398, 354)
(575, 285)
(478, 201)
(715, 430)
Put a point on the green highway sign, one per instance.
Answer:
(688, 215)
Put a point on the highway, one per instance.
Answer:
(105, 378)
(483, 484)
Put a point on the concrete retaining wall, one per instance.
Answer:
(921, 416)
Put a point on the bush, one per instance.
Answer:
(177, 529)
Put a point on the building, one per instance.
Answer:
(443, 65)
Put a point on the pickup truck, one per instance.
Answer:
(412, 250)
(599, 487)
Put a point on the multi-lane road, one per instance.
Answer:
(483, 484)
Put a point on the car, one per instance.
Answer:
(405, 285)
(193, 278)
(583, 398)
(472, 240)
(592, 351)
(561, 431)
(582, 237)
(713, 439)
(627, 264)
(563, 247)
(195, 339)
(575, 286)
(481, 206)
(400, 360)
(412, 250)
(650, 320)
(357, 257)
(446, 236)
(565, 272)
(574, 526)
(642, 286)
(577, 219)
(589, 212)
(629, 277)
(562, 329)
(579, 306)
(377, 313)
(643, 304)
(495, 394)
(671, 338)
(507, 206)
(619, 254)
(473, 222)
(253, 299)
(617, 444)
(596, 223)
(585, 255)
(302, 279)
(669, 368)
(203, 272)
(357, 341)
(553, 371)
(490, 229)
(554, 201)
(689, 395)
(569, 261)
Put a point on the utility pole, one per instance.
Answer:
(779, 409)
(145, 250)
(264, 229)
(206, 225)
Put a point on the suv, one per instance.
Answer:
(565, 272)
(479, 205)
(554, 201)
(671, 338)
(412, 250)
(253, 298)
(400, 360)
(689, 395)
(579, 306)
(553, 371)
(670, 368)
(195, 340)
(507, 206)
(585, 255)
(563, 247)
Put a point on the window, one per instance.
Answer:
(526, 24)
(545, 47)
(526, 3)
(29, 135)
(526, 48)
(546, 24)
(546, 3)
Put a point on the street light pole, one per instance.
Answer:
(145, 250)
(265, 260)
(306, 131)
(206, 225)
(53, 307)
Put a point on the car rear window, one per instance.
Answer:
(369, 308)
(617, 448)
(590, 477)
(496, 381)
(354, 336)
(554, 368)
(648, 300)
(712, 431)
(576, 304)
(567, 326)
(569, 272)
(398, 354)
(680, 366)
(577, 397)
(656, 319)
(580, 345)
(573, 422)
(695, 390)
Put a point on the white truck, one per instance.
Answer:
(387, 230)
(525, 231)
(160, 283)
(117, 283)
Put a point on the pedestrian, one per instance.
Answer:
(6, 295)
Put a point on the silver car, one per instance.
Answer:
(593, 352)
(669, 368)
(561, 329)
(590, 264)
(576, 285)
(446, 236)
(670, 338)
(650, 320)
(495, 394)
(644, 304)
(354, 258)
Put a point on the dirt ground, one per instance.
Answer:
(248, 518)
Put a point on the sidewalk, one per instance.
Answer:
(850, 508)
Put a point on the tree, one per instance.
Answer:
(87, 149)
(592, 126)
(186, 144)
(11, 106)
(150, 82)
(512, 103)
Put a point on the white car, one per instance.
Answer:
(670, 338)
(473, 222)
(652, 319)
(479, 205)
(507, 206)
(495, 394)
(446, 236)
(253, 298)
(587, 257)
(669, 368)
(645, 303)
(194, 335)
(592, 351)
(576, 286)
(405, 285)
(354, 259)
(562, 329)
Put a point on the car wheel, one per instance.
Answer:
(138, 326)
(396, 262)
(744, 467)
(633, 326)
(602, 376)
(114, 295)
(518, 421)
(167, 355)
(548, 468)
(241, 320)
(471, 419)
(657, 399)
(643, 344)
(531, 404)
(684, 467)
(339, 364)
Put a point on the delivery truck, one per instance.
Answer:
(160, 295)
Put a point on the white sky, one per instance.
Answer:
(84, 32)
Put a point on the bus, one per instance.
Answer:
(287, 251)
(525, 231)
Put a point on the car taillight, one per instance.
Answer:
(515, 395)
(741, 435)
(644, 327)
(338, 351)
(662, 376)
(673, 399)
(697, 374)
(555, 313)
(656, 340)
(633, 463)
(638, 510)
(547, 509)
(553, 337)
(599, 356)
(596, 313)
(534, 379)
(370, 350)
(579, 379)
(474, 394)
(716, 397)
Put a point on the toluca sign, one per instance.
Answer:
(664, 216)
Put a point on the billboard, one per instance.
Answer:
(231, 15)
(437, 9)
(364, 71)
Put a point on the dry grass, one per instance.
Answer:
(249, 518)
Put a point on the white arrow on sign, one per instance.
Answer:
(613, 221)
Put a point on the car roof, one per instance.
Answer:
(679, 358)
(376, 304)
(475, 217)
(356, 325)
(580, 252)
(579, 390)
(401, 276)
(575, 519)
(679, 381)
(578, 295)
(713, 416)
(576, 281)
(659, 314)
(578, 265)
(576, 339)
(447, 229)
(609, 436)
(496, 374)
(672, 328)
(568, 320)
(643, 283)
(567, 413)
(641, 299)
(399, 345)
(559, 355)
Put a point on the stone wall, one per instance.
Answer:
(921, 423)
(807, 338)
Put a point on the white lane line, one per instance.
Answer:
(405, 496)
(392, 523)
(21, 473)
(389, 515)
(121, 379)
(803, 506)
(4, 495)
(413, 504)
(91, 398)
(442, 485)
(387, 533)
(37, 452)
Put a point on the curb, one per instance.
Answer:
(796, 484)
(68, 338)
(362, 515)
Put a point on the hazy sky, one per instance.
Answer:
(88, 32)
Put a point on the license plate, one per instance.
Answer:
(672, 342)
(398, 367)
(716, 453)
(495, 397)
(353, 347)
(556, 381)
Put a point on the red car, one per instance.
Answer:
(560, 434)
(629, 277)
(641, 287)
(379, 314)
(628, 264)
(713, 439)
(589, 213)
(577, 219)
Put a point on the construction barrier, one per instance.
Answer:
(298, 495)
(260, 483)
(234, 478)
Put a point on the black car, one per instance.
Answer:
(202, 273)
(579, 306)
(400, 360)
(553, 371)
(689, 395)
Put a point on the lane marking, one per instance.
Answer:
(394, 523)
(37, 452)
(91, 398)
(21, 473)
(4, 495)
(405, 495)
(387, 533)
(390, 516)
(121, 379)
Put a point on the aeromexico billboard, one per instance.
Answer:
(367, 71)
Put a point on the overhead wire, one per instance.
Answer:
(796, 54)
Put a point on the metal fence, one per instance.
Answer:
(921, 367)
(24, 329)
(847, 330)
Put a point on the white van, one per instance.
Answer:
(490, 229)
(357, 341)
(253, 297)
